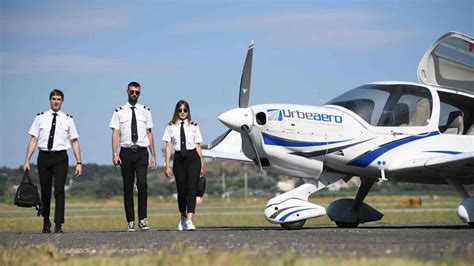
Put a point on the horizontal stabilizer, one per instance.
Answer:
(225, 155)
(227, 146)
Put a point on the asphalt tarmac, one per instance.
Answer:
(428, 242)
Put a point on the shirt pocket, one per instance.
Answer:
(62, 130)
(44, 130)
(123, 119)
(141, 120)
(173, 134)
(190, 134)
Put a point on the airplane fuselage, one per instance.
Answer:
(301, 140)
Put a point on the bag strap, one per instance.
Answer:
(39, 208)
(26, 177)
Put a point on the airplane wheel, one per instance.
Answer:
(346, 225)
(293, 225)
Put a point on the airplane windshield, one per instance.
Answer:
(389, 105)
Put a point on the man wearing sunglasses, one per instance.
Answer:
(131, 126)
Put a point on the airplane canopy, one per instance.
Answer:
(449, 62)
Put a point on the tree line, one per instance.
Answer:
(224, 179)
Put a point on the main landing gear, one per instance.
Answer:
(349, 213)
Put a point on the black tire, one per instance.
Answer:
(293, 225)
(346, 225)
(471, 225)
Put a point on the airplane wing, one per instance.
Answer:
(463, 162)
(435, 170)
(227, 146)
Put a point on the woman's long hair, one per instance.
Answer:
(175, 117)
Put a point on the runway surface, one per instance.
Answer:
(428, 242)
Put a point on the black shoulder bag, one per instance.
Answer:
(27, 194)
(201, 186)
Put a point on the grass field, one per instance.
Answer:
(88, 214)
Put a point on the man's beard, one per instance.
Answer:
(132, 99)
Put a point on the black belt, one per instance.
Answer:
(134, 148)
(51, 152)
(186, 150)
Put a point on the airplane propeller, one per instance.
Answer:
(244, 92)
(246, 130)
(241, 118)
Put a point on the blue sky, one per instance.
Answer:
(305, 52)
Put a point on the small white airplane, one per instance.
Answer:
(408, 132)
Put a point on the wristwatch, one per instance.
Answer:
(79, 162)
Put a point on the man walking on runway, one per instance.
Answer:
(53, 132)
(131, 126)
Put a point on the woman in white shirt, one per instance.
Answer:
(184, 137)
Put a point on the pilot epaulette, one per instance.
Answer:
(70, 115)
(40, 113)
(194, 123)
(146, 108)
(118, 109)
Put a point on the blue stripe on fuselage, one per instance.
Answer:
(272, 140)
(446, 152)
(368, 157)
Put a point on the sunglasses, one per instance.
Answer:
(181, 110)
(134, 92)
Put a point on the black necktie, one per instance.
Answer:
(51, 132)
(134, 126)
(183, 140)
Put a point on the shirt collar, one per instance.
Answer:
(128, 105)
(50, 112)
(186, 122)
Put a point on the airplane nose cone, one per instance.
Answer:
(236, 118)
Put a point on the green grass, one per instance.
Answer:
(87, 214)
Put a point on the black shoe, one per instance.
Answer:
(46, 227)
(58, 229)
(143, 224)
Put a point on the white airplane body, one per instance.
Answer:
(407, 132)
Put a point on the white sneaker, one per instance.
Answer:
(131, 227)
(182, 224)
(190, 226)
(143, 225)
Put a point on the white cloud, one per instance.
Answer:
(63, 20)
(320, 28)
(21, 64)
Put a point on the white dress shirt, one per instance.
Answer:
(64, 132)
(122, 120)
(173, 135)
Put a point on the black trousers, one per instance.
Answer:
(134, 163)
(53, 166)
(186, 171)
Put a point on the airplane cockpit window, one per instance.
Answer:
(389, 105)
(456, 114)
